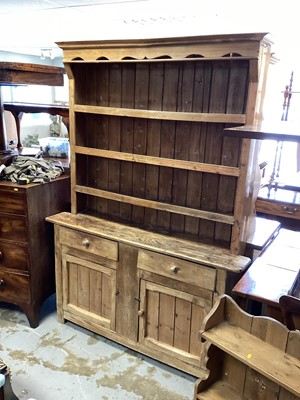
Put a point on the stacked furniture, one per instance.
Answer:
(162, 203)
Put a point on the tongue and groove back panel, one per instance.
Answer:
(147, 120)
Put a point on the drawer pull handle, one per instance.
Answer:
(140, 313)
(1, 255)
(1, 284)
(174, 269)
(290, 210)
(86, 243)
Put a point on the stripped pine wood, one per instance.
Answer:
(161, 161)
(166, 318)
(157, 205)
(163, 115)
(161, 197)
(114, 136)
(197, 318)
(127, 90)
(182, 324)
(259, 344)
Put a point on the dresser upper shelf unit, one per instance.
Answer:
(280, 131)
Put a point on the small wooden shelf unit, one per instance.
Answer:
(247, 357)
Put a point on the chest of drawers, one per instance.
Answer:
(26, 242)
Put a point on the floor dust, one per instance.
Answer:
(64, 361)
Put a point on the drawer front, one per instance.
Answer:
(14, 287)
(278, 209)
(13, 256)
(175, 268)
(89, 243)
(13, 228)
(12, 201)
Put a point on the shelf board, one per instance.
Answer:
(276, 365)
(209, 215)
(281, 131)
(163, 115)
(160, 161)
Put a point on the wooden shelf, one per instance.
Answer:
(263, 353)
(257, 354)
(163, 115)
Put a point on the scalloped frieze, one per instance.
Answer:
(214, 47)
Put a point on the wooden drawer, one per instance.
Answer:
(13, 256)
(12, 201)
(13, 228)
(278, 209)
(178, 269)
(14, 287)
(93, 244)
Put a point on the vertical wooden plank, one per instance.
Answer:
(114, 136)
(152, 314)
(182, 330)
(197, 146)
(95, 292)
(169, 103)
(72, 296)
(166, 318)
(259, 387)
(182, 142)
(106, 296)
(210, 184)
(128, 292)
(72, 129)
(60, 274)
(234, 373)
(198, 314)
(102, 94)
(128, 79)
(156, 77)
(83, 287)
(140, 138)
(237, 86)
(271, 332)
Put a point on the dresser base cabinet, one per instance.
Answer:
(147, 291)
(27, 275)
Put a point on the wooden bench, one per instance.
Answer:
(246, 357)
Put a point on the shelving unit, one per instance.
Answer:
(147, 120)
(247, 357)
(162, 201)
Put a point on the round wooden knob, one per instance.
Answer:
(140, 313)
(86, 243)
(174, 269)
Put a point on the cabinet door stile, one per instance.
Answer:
(197, 317)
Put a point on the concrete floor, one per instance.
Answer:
(63, 361)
